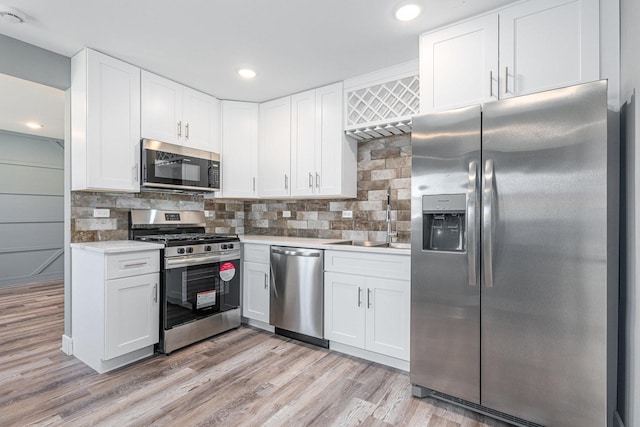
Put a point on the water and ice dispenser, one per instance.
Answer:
(443, 222)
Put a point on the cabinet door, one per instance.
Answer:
(239, 149)
(131, 314)
(303, 143)
(161, 109)
(330, 144)
(388, 306)
(255, 297)
(274, 149)
(548, 44)
(198, 119)
(113, 124)
(344, 309)
(459, 64)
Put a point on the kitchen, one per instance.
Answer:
(307, 216)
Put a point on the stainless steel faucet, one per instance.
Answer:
(390, 234)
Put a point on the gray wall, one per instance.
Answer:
(29, 62)
(32, 208)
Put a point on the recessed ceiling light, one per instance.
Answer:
(34, 125)
(11, 15)
(246, 73)
(408, 12)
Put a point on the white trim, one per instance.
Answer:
(371, 356)
(67, 345)
(258, 324)
(396, 72)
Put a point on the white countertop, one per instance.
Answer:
(116, 246)
(305, 242)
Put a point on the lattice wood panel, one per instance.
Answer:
(386, 102)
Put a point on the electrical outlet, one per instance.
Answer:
(286, 214)
(101, 213)
(347, 214)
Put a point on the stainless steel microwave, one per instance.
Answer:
(176, 167)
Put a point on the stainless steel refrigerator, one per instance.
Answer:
(515, 257)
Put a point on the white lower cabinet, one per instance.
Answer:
(368, 308)
(115, 312)
(255, 282)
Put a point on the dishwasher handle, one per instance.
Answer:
(293, 252)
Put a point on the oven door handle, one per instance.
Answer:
(189, 261)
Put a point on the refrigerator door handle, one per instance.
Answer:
(471, 223)
(487, 223)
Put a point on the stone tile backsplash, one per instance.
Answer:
(382, 163)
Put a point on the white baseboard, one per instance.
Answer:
(383, 359)
(67, 345)
(257, 324)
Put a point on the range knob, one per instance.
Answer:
(223, 246)
(180, 250)
(189, 250)
(230, 246)
(207, 248)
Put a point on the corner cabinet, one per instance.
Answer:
(115, 293)
(367, 304)
(256, 272)
(239, 149)
(323, 162)
(178, 114)
(529, 47)
(105, 123)
(274, 148)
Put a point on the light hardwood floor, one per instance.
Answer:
(244, 377)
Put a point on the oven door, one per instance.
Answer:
(199, 286)
(176, 167)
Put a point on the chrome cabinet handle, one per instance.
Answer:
(180, 129)
(186, 131)
(368, 298)
(136, 264)
(135, 173)
(359, 296)
(491, 84)
(471, 222)
(266, 280)
(155, 293)
(310, 180)
(506, 79)
(317, 180)
(254, 184)
(487, 223)
(286, 182)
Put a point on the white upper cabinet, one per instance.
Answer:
(459, 65)
(323, 164)
(274, 148)
(546, 44)
(177, 114)
(239, 149)
(529, 47)
(105, 123)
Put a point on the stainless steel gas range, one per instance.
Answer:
(199, 276)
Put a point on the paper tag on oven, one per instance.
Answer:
(227, 271)
(205, 299)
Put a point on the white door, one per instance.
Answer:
(330, 143)
(255, 297)
(548, 44)
(303, 143)
(388, 306)
(239, 148)
(161, 109)
(198, 115)
(459, 65)
(131, 314)
(113, 124)
(344, 309)
(274, 148)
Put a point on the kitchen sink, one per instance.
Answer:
(373, 244)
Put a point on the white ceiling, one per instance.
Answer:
(294, 45)
(23, 101)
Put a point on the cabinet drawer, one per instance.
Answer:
(376, 265)
(257, 253)
(132, 264)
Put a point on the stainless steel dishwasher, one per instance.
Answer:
(297, 293)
